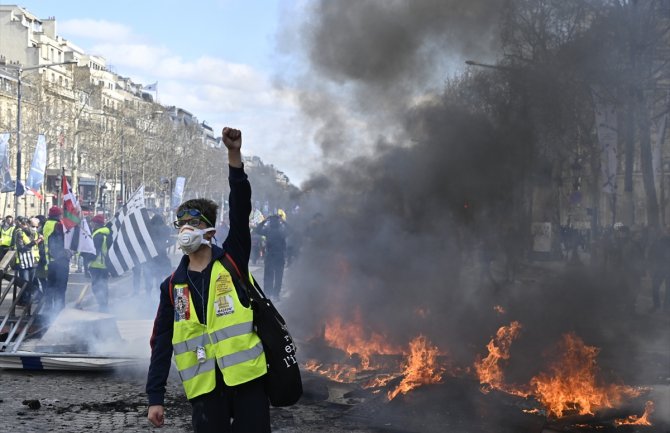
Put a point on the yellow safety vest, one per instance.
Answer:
(36, 247)
(100, 261)
(228, 339)
(47, 231)
(6, 236)
(26, 240)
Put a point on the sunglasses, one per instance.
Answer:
(198, 217)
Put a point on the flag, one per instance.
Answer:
(20, 189)
(178, 191)
(131, 240)
(71, 209)
(151, 87)
(37, 168)
(79, 238)
(6, 182)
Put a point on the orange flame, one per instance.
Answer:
(421, 368)
(634, 420)
(337, 372)
(488, 369)
(571, 384)
(351, 338)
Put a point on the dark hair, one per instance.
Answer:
(206, 207)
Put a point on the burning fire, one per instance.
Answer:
(634, 420)
(421, 368)
(568, 386)
(337, 372)
(571, 383)
(488, 369)
(351, 338)
(499, 309)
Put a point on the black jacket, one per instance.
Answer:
(237, 244)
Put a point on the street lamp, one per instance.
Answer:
(19, 71)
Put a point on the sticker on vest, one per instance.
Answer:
(181, 304)
(223, 285)
(223, 305)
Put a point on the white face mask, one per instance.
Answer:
(190, 238)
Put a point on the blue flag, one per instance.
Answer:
(6, 182)
(20, 190)
(38, 167)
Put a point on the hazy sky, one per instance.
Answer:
(218, 59)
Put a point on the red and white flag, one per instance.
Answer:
(71, 209)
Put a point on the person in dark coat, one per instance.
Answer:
(158, 267)
(274, 229)
(194, 298)
(58, 260)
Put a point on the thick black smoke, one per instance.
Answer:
(399, 235)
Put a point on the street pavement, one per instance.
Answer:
(114, 401)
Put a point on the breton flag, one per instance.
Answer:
(37, 168)
(131, 240)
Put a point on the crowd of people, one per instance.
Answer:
(43, 260)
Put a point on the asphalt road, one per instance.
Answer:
(114, 401)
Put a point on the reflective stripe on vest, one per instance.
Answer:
(220, 335)
(228, 339)
(199, 368)
(240, 357)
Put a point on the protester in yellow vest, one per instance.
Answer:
(58, 260)
(26, 263)
(6, 235)
(207, 322)
(98, 267)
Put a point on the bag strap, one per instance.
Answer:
(230, 265)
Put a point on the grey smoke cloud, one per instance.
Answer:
(397, 244)
(389, 43)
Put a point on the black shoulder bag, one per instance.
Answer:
(283, 383)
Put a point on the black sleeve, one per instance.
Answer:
(161, 348)
(238, 242)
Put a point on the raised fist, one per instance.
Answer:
(232, 138)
